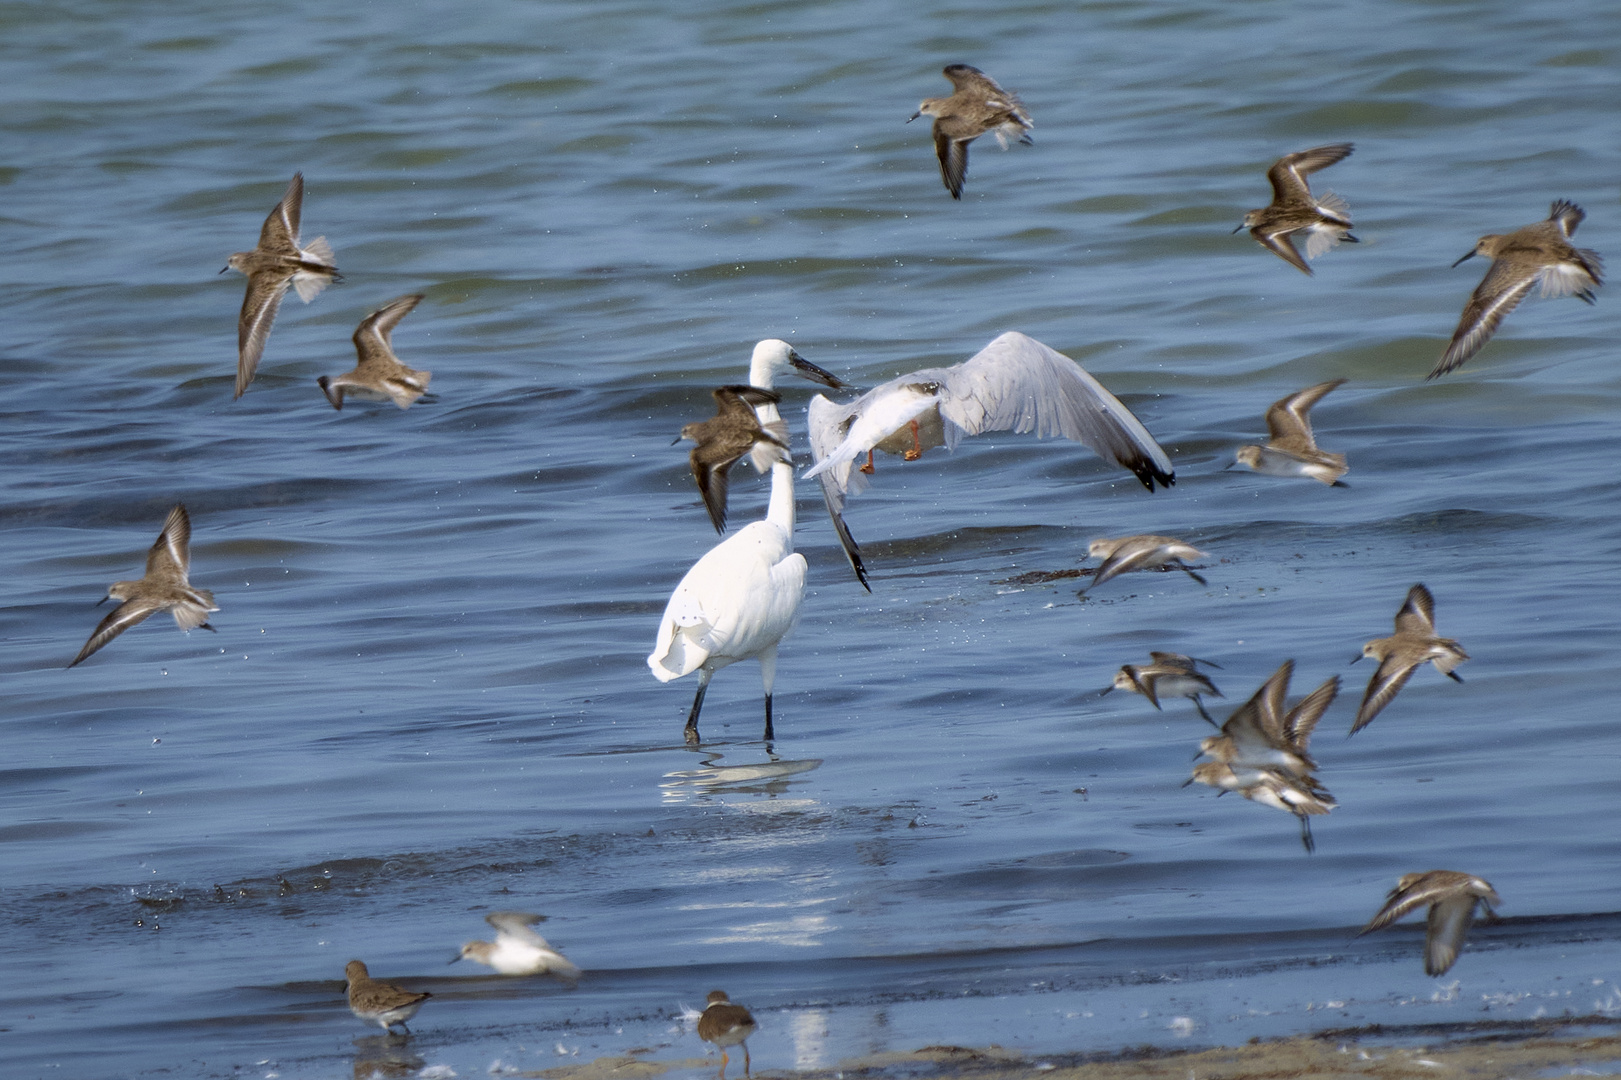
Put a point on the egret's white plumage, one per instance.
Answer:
(1015, 383)
(736, 602)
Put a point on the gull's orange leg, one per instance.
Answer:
(867, 468)
(917, 447)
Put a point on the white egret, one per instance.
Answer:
(738, 601)
(1015, 383)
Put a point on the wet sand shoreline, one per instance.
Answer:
(1486, 1049)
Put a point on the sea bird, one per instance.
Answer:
(379, 375)
(275, 263)
(1170, 675)
(1325, 221)
(163, 588)
(976, 106)
(738, 601)
(517, 949)
(1262, 753)
(380, 1003)
(1291, 450)
(1014, 383)
(1145, 552)
(1540, 253)
(1412, 645)
(1451, 897)
(733, 431)
(726, 1024)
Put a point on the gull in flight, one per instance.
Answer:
(1537, 254)
(274, 264)
(975, 107)
(1013, 384)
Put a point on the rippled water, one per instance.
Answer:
(428, 698)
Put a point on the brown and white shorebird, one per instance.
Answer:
(517, 949)
(1537, 254)
(164, 588)
(1262, 751)
(1170, 675)
(726, 1024)
(1325, 220)
(380, 1003)
(1265, 733)
(977, 106)
(275, 263)
(379, 375)
(733, 431)
(1146, 552)
(1291, 449)
(1451, 897)
(1412, 645)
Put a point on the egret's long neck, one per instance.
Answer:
(781, 513)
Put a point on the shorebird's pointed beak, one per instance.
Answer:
(677, 439)
(1188, 781)
(1106, 689)
(1466, 258)
(1355, 658)
(1227, 467)
(224, 268)
(914, 116)
(1238, 230)
(455, 958)
(104, 599)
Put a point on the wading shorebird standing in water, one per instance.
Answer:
(1451, 897)
(733, 431)
(380, 1003)
(976, 106)
(1540, 253)
(1412, 645)
(1015, 383)
(726, 1024)
(274, 264)
(379, 375)
(1291, 449)
(738, 601)
(164, 588)
(1325, 220)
